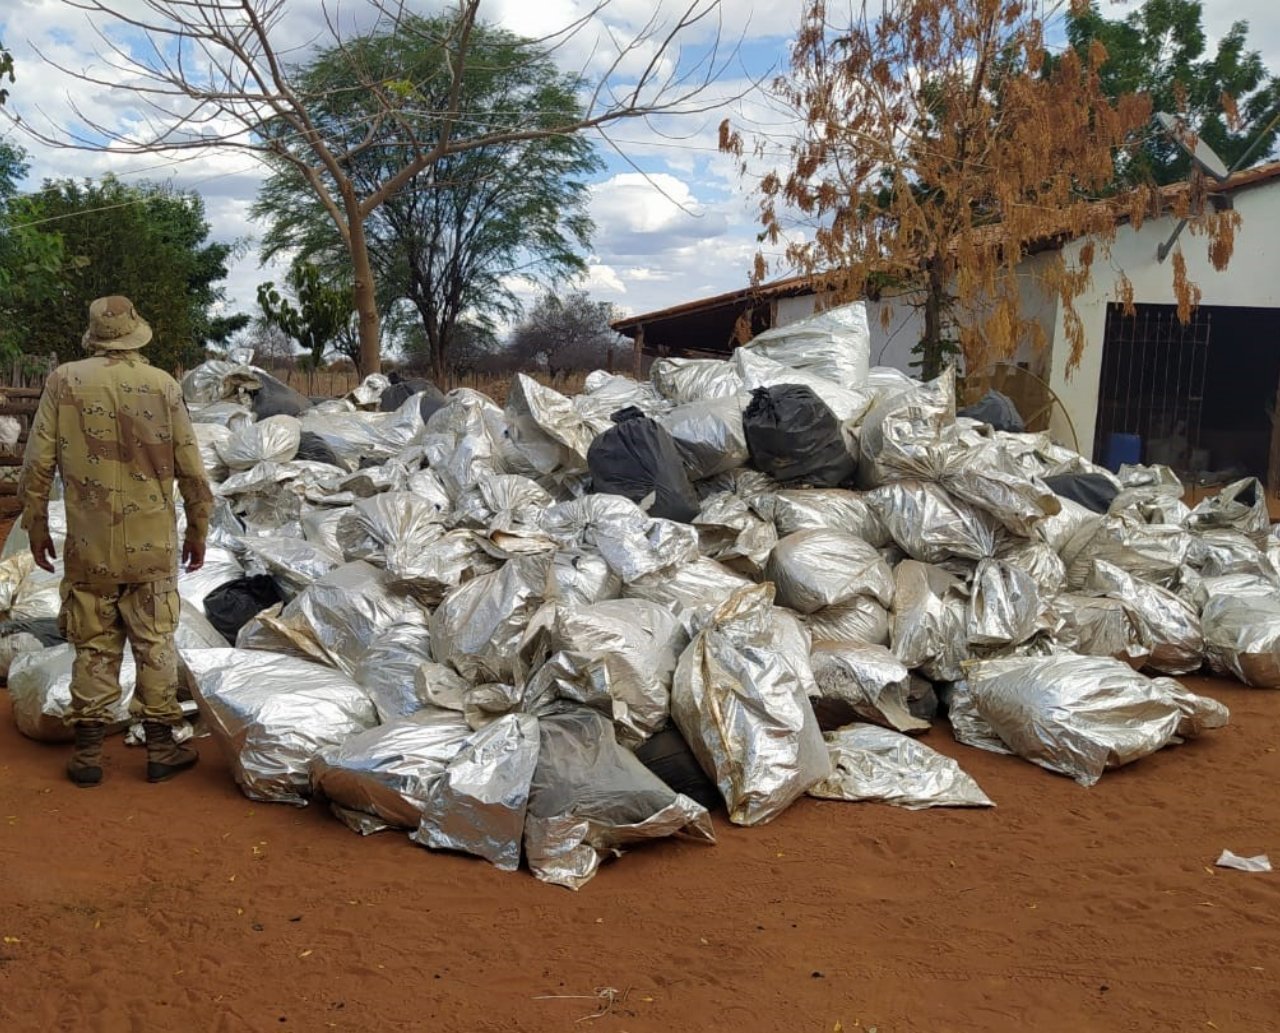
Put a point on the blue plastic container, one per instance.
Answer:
(1121, 449)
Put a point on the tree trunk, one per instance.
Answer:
(931, 345)
(365, 293)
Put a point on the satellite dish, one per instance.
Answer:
(1198, 151)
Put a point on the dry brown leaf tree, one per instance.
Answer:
(225, 74)
(940, 143)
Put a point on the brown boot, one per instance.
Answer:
(85, 766)
(165, 758)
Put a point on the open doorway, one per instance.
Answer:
(1196, 397)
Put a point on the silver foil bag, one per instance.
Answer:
(832, 509)
(1242, 635)
(693, 590)
(682, 381)
(883, 766)
(930, 525)
(862, 621)
(709, 435)
(390, 530)
(816, 569)
(730, 530)
(741, 700)
(862, 683)
(1004, 605)
(590, 797)
(1240, 506)
(929, 628)
(1168, 626)
(631, 542)
(40, 693)
(385, 773)
(477, 806)
(1078, 715)
(578, 577)
(272, 714)
(388, 670)
(273, 440)
(834, 344)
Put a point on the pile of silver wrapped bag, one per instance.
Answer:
(469, 644)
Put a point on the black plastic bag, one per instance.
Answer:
(637, 458)
(313, 447)
(401, 391)
(43, 628)
(794, 438)
(996, 410)
(669, 757)
(231, 606)
(1091, 490)
(276, 398)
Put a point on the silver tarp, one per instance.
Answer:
(478, 627)
(834, 509)
(632, 542)
(930, 617)
(741, 700)
(730, 530)
(40, 693)
(709, 435)
(862, 683)
(336, 619)
(379, 778)
(681, 381)
(1242, 634)
(816, 569)
(272, 714)
(388, 667)
(1080, 715)
(883, 766)
(618, 655)
(478, 805)
(930, 525)
(590, 797)
(1168, 626)
(834, 344)
(273, 440)
(1004, 605)
(863, 621)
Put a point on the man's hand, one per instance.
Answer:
(43, 552)
(192, 556)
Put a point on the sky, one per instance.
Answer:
(674, 219)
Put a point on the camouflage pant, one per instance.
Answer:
(97, 620)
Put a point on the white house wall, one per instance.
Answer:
(1252, 279)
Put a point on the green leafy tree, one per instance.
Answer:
(449, 240)
(6, 72)
(72, 241)
(1227, 95)
(322, 311)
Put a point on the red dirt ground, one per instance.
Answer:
(184, 906)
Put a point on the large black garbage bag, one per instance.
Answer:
(637, 458)
(669, 757)
(997, 410)
(1091, 490)
(43, 628)
(313, 447)
(233, 605)
(276, 398)
(401, 391)
(795, 438)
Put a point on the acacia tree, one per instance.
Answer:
(938, 147)
(449, 241)
(217, 74)
(571, 332)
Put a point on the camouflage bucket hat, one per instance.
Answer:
(114, 325)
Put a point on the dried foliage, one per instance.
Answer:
(941, 146)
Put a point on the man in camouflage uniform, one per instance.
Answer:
(119, 432)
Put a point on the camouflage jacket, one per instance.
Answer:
(119, 432)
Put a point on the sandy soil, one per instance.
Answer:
(185, 906)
